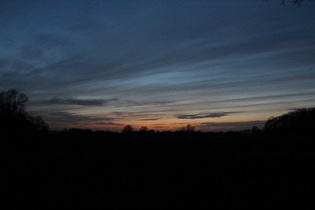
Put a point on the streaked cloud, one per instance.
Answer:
(108, 123)
(149, 119)
(207, 115)
(80, 102)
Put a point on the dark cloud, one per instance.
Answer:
(207, 115)
(80, 102)
(150, 119)
(108, 123)
(133, 103)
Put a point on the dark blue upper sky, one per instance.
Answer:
(163, 64)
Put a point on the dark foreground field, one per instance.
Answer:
(157, 172)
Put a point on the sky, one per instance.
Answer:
(217, 65)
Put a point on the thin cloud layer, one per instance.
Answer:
(80, 102)
(150, 119)
(201, 116)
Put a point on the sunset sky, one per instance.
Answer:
(217, 65)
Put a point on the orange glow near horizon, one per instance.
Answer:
(172, 124)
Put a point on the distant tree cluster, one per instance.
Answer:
(145, 130)
(13, 117)
(299, 121)
(128, 129)
(188, 129)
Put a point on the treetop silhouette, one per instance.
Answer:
(188, 129)
(14, 120)
(298, 121)
(12, 103)
(127, 129)
(144, 129)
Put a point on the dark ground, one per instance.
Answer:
(157, 172)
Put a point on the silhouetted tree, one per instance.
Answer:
(127, 129)
(188, 129)
(12, 103)
(299, 121)
(255, 130)
(39, 123)
(144, 129)
(14, 119)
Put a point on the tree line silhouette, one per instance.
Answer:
(15, 121)
(298, 121)
(83, 169)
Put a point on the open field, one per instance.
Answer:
(124, 172)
